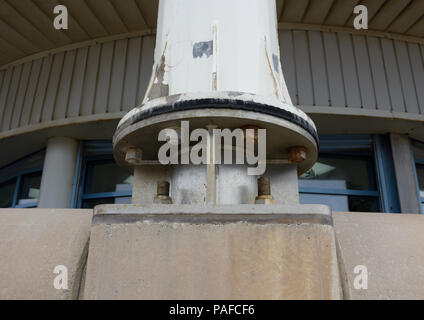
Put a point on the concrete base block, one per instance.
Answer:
(201, 252)
(390, 246)
(33, 242)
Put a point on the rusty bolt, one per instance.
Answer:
(163, 188)
(134, 155)
(297, 154)
(264, 192)
(162, 196)
(264, 187)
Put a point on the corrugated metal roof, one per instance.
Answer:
(26, 26)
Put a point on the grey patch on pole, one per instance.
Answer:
(276, 63)
(203, 48)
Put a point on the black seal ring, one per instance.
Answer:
(221, 103)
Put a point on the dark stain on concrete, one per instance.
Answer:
(218, 219)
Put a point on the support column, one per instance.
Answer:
(58, 173)
(405, 177)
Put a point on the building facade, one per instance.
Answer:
(63, 92)
(363, 89)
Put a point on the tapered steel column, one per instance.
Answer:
(217, 63)
(212, 230)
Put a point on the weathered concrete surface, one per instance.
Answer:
(211, 256)
(33, 242)
(391, 246)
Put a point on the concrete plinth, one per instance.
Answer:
(33, 242)
(212, 252)
(390, 246)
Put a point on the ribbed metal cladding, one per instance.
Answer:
(322, 69)
(104, 78)
(353, 71)
(26, 25)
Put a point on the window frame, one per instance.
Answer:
(344, 192)
(102, 152)
(372, 193)
(380, 169)
(419, 164)
(416, 164)
(18, 176)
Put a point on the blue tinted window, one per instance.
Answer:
(344, 177)
(102, 180)
(20, 182)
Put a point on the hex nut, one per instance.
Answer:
(297, 154)
(134, 155)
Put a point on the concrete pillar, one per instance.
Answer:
(212, 252)
(58, 173)
(405, 177)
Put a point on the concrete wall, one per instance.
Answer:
(33, 242)
(390, 246)
(232, 259)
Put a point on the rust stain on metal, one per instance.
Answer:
(264, 186)
(250, 136)
(268, 60)
(264, 192)
(297, 154)
(214, 81)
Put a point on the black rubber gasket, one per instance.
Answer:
(224, 103)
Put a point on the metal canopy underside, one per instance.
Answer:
(26, 26)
